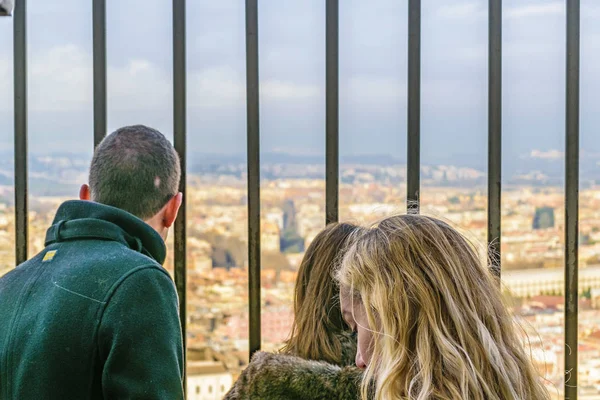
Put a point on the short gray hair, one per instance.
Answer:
(135, 169)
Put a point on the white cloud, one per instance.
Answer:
(547, 155)
(137, 85)
(462, 10)
(60, 79)
(6, 77)
(279, 90)
(536, 10)
(435, 93)
(372, 89)
(216, 87)
(452, 94)
(590, 10)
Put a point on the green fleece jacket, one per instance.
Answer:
(94, 315)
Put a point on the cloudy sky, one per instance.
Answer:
(373, 69)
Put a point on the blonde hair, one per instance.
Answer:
(441, 330)
(317, 316)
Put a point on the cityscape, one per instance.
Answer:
(293, 212)
(374, 71)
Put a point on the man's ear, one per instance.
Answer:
(171, 210)
(84, 192)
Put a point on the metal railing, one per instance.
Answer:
(494, 131)
(413, 131)
(572, 199)
(20, 109)
(332, 142)
(99, 55)
(179, 141)
(332, 91)
(253, 143)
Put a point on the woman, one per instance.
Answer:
(430, 319)
(318, 333)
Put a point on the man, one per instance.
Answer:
(95, 315)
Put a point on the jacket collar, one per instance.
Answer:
(80, 220)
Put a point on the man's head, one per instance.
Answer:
(137, 170)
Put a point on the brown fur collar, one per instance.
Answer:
(286, 377)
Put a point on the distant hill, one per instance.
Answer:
(60, 174)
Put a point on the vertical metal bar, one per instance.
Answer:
(494, 132)
(179, 135)
(572, 199)
(99, 45)
(20, 105)
(332, 111)
(414, 107)
(253, 141)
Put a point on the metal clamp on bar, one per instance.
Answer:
(6, 8)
